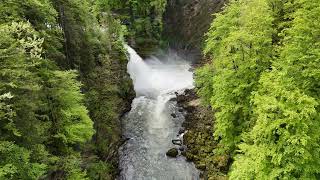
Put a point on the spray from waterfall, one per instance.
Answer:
(149, 125)
(152, 77)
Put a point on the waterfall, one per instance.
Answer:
(154, 76)
(149, 125)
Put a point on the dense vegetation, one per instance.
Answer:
(144, 21)
(263, 83)
(63, 84)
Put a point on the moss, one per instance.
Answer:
(199, 139)
(173, 152)
(190, 156)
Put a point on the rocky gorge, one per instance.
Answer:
(186, 22)
(198, 138)
(185, 25)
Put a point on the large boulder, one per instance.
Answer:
(173, 152)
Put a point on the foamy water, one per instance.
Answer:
(149, 124)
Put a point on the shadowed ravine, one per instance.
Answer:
(149, 124)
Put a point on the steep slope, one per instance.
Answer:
(186, 22)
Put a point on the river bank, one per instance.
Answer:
(198, 138)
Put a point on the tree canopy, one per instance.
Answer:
(263, 82)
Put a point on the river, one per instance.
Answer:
(149, 125)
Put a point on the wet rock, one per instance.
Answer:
(182, 148)
(173, 152)
(124, 139)
(182, 98)
(188, 92)
(173, 115)
(177, 142)
(181, 130)
(190, 109)
(198, 137)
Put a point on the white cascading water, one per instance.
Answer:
(149, 125)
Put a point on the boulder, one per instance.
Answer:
(177, 142)
(173, 152)
(173, 115)
(173, 99)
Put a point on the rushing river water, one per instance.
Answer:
(149, 124)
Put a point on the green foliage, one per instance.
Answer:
(286, 135)
(75, 126)
(94, 46)
(15, 163)
(204, 83)
(21, 50)
(239, 41)
(301, 48)
(7, 115)
(264, 84)
(99, 170)
(74, 171)
(39, 12)
(46, 47)
(283, 142)
(37, 99)
(42, 17)
(144, 21)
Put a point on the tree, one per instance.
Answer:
(41, 108)
(71, 123)
(240, 44)
(144, 21)
(19, 59)
(42, 16)
(284, 143)
(15, 163)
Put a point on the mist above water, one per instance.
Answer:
(153, 77)
(149, 125)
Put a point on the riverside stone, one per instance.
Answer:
(173, 152)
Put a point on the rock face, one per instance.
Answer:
(198, 138)
(186, 22)
(173, 152)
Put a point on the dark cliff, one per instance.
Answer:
(187, 21)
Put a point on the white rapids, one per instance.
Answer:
(149, 124)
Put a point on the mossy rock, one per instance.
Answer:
(173, 152)
(222, 161)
